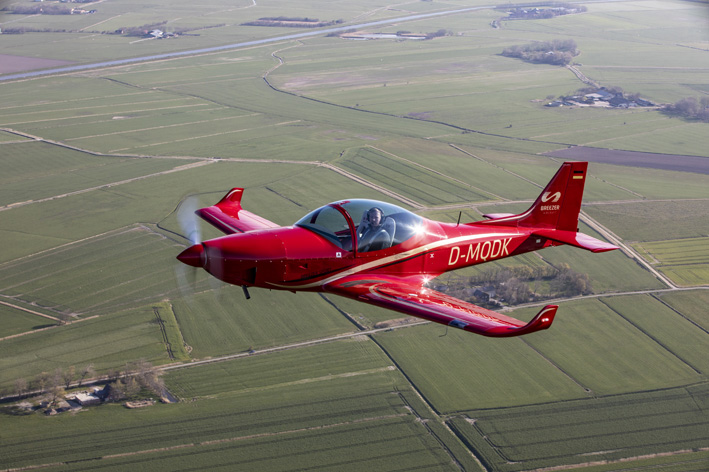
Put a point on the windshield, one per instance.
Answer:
(377, 225)
(329, 222)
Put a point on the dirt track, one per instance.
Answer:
(695, 164)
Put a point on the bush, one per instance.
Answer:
(690, 108)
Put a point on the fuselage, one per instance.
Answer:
(296, 258)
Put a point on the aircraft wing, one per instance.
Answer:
(228, 216)
(415, 300)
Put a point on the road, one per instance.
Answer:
(227, 47)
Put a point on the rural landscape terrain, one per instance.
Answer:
(116, 116)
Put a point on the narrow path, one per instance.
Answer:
(30, 311)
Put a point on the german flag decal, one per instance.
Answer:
(578, 174)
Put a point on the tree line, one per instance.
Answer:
(520, 284)
(129, 382)
(556, 52)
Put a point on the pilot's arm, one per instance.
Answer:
(364, 224)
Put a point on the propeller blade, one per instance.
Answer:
(186, 278)
(188, 219)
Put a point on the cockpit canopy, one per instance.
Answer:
(371, 224)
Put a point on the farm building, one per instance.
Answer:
(85, 399)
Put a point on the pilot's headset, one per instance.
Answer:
(381, 213)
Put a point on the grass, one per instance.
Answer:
(691, 304)
(589, 349)
(685, 261)
(455, 374)
(95, 276)
(223, 322)
(344, 422)
(16, 321)
(35, 171)
(608, 355)
(608, 272)
(654, 221)
(106, 342)
(587, 431)
(324, 362)
(174, 342)
(406, 179)
(672, 331)
(650, 183)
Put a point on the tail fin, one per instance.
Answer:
(559, 204)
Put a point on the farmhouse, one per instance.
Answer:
(85, 398)
(601, 95)
(485, 294)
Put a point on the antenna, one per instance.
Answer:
(460, 213)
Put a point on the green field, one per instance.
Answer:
(654, 220)
(685, 261)
(590, 431)
(17, 321)
(96, 165)
(234, 416)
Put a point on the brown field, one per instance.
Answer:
(10, 63)
(696, 164)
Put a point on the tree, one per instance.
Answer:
(56, 393)
(42, 381)
(116, 391)
(68, 376)
(20, 387)
(87, 371)
(132, 387)
(689, 108)
(113, 374)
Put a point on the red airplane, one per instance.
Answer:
(379, 253)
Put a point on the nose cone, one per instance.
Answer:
(193, 256)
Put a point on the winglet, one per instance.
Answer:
(543, 320)
(228, 216)
(233, 197)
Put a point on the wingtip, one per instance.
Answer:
(233, 196)
(542, 320)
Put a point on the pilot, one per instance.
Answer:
(374, 230)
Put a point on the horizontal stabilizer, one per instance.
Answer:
(494, 216)
(228, 216)
(572, 238)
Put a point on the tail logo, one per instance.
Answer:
(551, 197)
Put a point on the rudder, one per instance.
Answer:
(557, 207)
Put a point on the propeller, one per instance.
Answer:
(197, 255)
(188, 220)
(192, 256)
